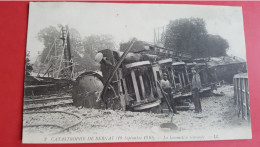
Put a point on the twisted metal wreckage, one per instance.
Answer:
(129, 79)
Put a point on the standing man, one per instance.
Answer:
(167, 88)
(195, 87)
(166, 85)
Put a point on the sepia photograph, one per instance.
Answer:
(118, 72)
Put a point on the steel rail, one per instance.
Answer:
(47, 106)
(47, 99)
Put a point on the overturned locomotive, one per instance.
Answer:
(129, 80)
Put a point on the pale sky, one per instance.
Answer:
(124, 21)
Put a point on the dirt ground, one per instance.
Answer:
(218, 112)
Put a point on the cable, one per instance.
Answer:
(62, 128)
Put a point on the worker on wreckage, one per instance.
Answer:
(167, 88)
(195, 88)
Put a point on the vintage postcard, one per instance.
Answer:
(109, 72)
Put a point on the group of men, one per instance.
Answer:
(195, 87)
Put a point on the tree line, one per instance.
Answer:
(188, 35)
(83, 50)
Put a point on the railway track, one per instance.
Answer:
(46, 102)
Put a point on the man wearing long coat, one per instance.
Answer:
(196, 86)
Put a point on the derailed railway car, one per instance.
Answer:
(131, 80)
(133, 86)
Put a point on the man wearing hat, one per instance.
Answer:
(167, 88)
(195, 87)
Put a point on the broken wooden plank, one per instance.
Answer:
(137, 94)
(38, 86)
(142, 63)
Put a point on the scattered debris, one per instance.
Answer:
(218, 93)
(218, 112)
(169, 125)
